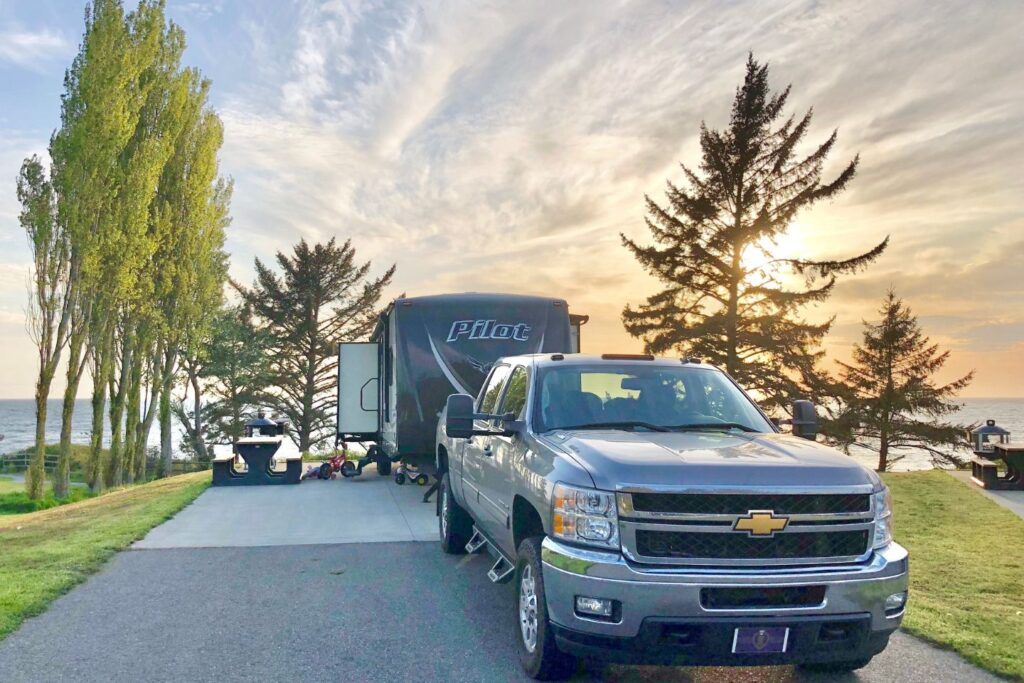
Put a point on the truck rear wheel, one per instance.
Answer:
(540, 657)
(454, 524)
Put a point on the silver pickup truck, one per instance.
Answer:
(649, 512)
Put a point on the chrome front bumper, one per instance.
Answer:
(675, 593)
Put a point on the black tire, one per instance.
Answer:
(383, 463)
(837, 667)
(399, 478)
(422, 480)
(454, 525)
(325, 471)
(348, 469)
(545, 662)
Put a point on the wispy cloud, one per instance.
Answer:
(33, 49)
(506, 145)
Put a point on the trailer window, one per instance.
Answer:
(515, 395)
(493, 390)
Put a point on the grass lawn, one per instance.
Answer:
(966, 569)
(45, 553)
(14, 500)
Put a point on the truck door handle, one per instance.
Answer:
(487, 451)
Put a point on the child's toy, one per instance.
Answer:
(408, 472)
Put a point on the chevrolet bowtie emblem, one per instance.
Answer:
(761, 523)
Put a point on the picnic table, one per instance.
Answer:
(252, 463)
(985, 471)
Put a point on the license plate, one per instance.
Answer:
(758, 640)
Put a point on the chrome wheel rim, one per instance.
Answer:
(444, 512)
(528, 609)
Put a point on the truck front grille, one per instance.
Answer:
(735, 546)
(739, 504)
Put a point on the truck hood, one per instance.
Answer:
(622, 460)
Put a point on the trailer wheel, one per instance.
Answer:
(454, 524)
(383, 462)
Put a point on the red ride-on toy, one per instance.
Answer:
(337, 463)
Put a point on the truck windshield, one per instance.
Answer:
(635, 397)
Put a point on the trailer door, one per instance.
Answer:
(358, 390)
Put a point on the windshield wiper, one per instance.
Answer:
(624, 424)
(704, 426)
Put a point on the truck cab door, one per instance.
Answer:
(479, 450)
(496, 468)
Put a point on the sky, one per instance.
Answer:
(486, 146)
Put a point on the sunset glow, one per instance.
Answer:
(504, 148)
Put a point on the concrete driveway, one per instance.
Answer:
(240, 587)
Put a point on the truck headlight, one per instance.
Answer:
(585, 516)
(883, 518)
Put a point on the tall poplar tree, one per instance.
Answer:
(727, 296)
(49, 315)
(99, 113)
(322, 297)
(191, 212)
(889, 392)
(134, 173)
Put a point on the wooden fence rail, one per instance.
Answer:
(19, 462)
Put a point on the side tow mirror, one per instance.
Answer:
(805, 420)
(459, 416)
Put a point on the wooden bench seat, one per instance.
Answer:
(985, 473)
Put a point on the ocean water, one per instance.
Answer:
(1007, 412)
(17, 424)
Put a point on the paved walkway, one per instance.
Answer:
(1011, 500)
(366, 509)
(324, 582)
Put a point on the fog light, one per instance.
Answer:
(597, 607)
(895, 602)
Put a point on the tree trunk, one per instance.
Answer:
(76, 366)
(732, 310)
(135, 450)
(166, 454)
(883, 445)
(117, 464)
(35, 478)
(197, 418)
(166, 379)
(99, 402)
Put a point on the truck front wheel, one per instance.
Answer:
(454, 524)
(540, 657)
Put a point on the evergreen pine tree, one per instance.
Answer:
(889, 391)
(322, 297)
(727, 298)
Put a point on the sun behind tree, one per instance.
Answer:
(725, 297)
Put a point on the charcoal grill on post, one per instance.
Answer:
(256, 451)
